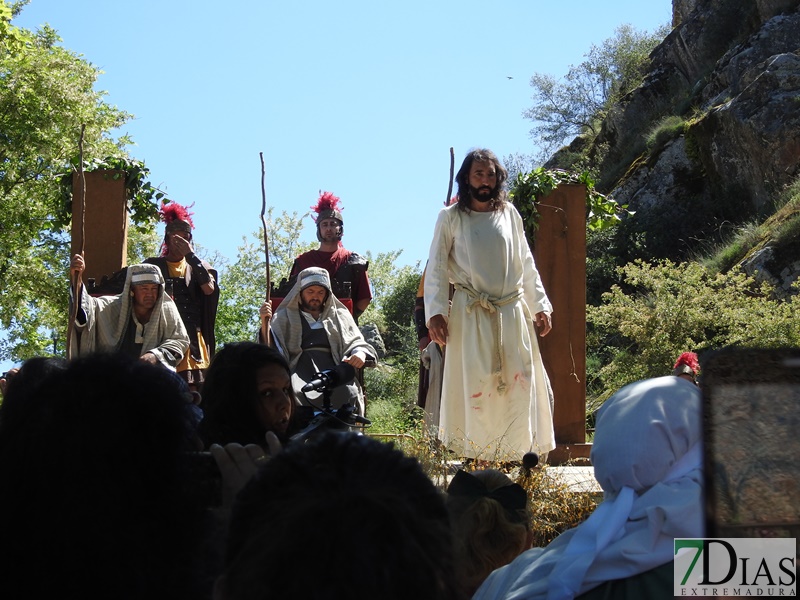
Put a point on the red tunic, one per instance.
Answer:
(333, 263)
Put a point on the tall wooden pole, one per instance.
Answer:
(75, 279)
(265, 326)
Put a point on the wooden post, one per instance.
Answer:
(106, 222)
(560, 254)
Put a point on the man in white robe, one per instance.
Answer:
(496, 397)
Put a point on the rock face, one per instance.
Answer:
(731, 70)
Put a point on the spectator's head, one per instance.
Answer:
(247, 392)
(94, 502)
(490, 517)
(468, 186)
(342, 516)
(21, 385)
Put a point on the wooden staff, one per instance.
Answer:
(452, 170)
(75, 279)
(265, 327)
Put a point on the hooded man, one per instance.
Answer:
(316, 332)
(142, 321)
(347, 268)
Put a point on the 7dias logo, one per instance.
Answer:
(761, 567)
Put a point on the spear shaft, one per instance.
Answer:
(452, 170)
(265, 327)
(75, 279)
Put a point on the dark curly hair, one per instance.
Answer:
(462, 178)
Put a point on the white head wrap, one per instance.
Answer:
(647, 456)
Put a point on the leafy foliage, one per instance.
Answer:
(143, 197)
(664, 309)
(243, 284)
(529, 188)
(578, 103)
(46, 95)
(397, 309)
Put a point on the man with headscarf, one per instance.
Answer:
(316, 332)
(142, 321)
(647, 456)
(192, 284)
(496, 394)
(345, 267)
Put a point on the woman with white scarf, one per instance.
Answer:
(647, 456)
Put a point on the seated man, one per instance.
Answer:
(315, 332)
(142, 321)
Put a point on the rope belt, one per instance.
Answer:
(491, 305)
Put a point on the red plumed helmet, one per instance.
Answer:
(327, 207)
(177, 218)
(174, 214)
(688, 364)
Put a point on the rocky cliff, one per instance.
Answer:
(727, 82)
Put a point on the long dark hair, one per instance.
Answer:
(462, 178)
(230, 393)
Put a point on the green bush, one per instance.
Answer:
(665, 130)
(669, 308)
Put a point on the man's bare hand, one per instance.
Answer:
(265, 312)
(543, 323)
(180, 245)
(77, 265)
(357, 359)
(437, 329)
(149, 357)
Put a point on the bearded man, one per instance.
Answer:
(496, 396)
(316, 332)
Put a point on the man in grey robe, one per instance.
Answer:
(142, 321)
(316, 333)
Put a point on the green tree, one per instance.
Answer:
(577, 103)
(664, 309)
(46, 96)
(243, 283)
(398, 310)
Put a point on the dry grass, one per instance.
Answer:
(557, 504)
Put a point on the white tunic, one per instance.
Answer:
(496, 396)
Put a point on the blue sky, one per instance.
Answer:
(361, 98)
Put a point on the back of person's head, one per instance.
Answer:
(230, 393)
(341, 516)
(643, 430)
(94, 501)
(490, 517)
(20, 395)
